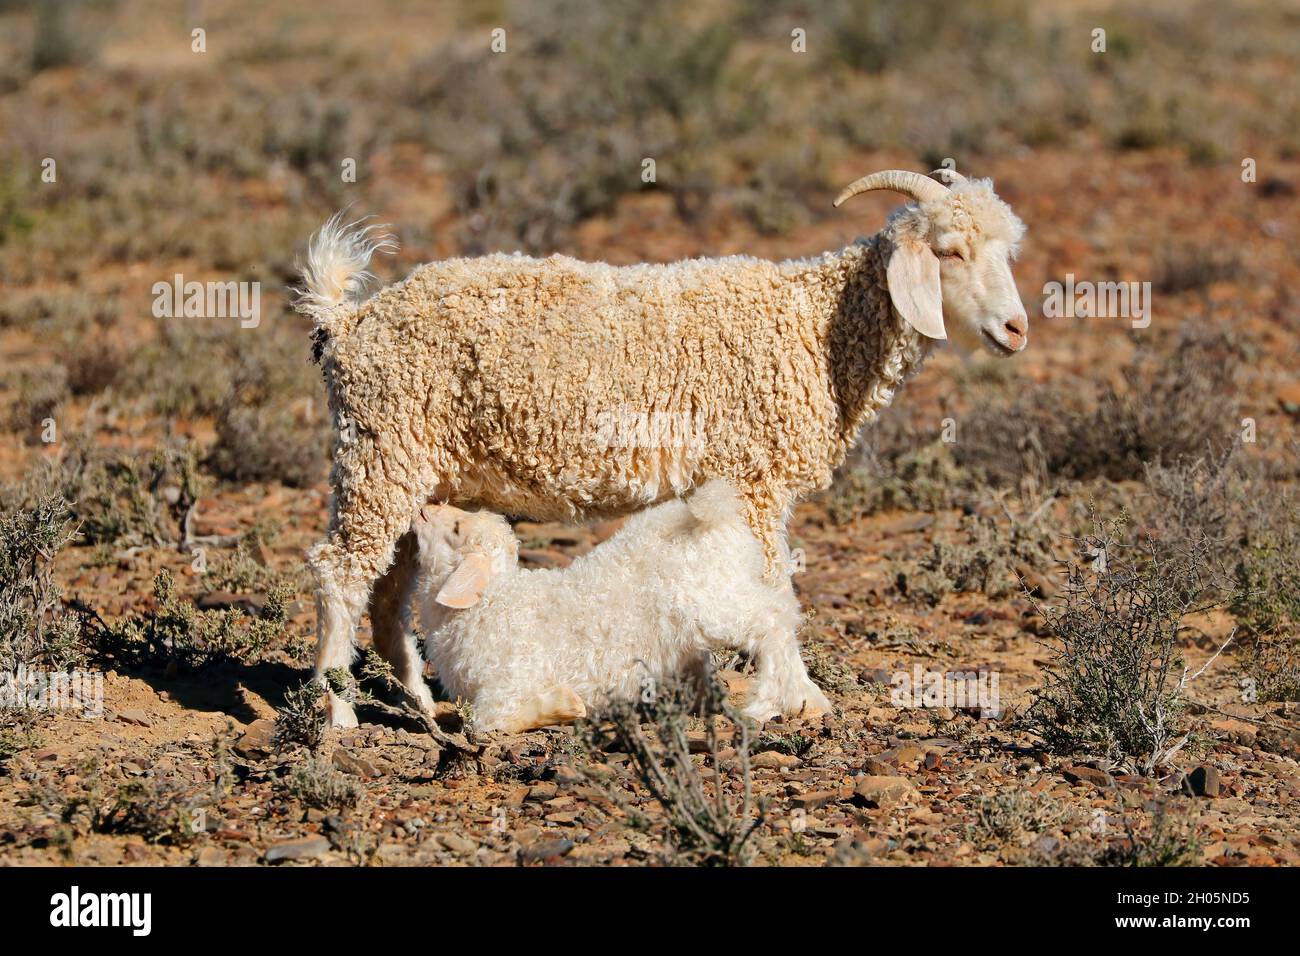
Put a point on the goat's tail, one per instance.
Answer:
(335, 274)
(714, 503)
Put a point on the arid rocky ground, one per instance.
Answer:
(164, 167)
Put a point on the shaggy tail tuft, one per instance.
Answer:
(335, 274)
(714, 503)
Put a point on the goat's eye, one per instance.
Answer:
(950, 254)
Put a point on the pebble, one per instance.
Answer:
(545, 850)
(256, 739)
(772, 760)
(884, 792)
(304, 848)
(1205, 781)
(1098, 778)
(134, 716)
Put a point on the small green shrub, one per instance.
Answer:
(1114, 685)
(317, 784)
(174, 631)
(985, 559)
(706, 827)
(35, 628)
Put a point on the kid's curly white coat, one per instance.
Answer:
(679, 580)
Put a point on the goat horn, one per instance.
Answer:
(921, 188)
(949, 177)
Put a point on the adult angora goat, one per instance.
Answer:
(494, 382)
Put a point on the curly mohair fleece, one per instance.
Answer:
(494, 381)
(678, 581)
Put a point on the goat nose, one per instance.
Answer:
(1017, 330)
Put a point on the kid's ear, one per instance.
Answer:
(913, 276)
(467, 583)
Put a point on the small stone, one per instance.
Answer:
(903, 755)
(543, 791)
(883, 792)
(1235, 731)
(1204, 781)
(457, 843)
(353, 764)
(698, 740)
(448, 717)
(544, 850)
(304, 848)
(210, 856)
(814, 799)
(256, 739)
(878, 768)
(1098, 778)
(134, 716)
(771, 760)
(251, 604)
(135, 852)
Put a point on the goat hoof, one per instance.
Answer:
(341, 714)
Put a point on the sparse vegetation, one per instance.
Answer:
(1014, 816)
(317, 784)
(707, 825)
(987, 561)
(176, 632)
(302, 721)
(1115, 684)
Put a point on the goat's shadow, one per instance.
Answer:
(223, 686)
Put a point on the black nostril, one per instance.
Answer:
(1016, 326)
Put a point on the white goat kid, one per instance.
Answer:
(678, 581)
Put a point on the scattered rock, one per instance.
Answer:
(544, 850)
(1236, 731)
(255, 741)
(351, 763)
(1204, 781)
(814, 799)
(878, 768)
(883, 791)
(906, 754)
(1098, 778)
(772, 760)
(210, 856)
(224, 600)
(457, 843)
(698, 740)
(448, 717)
(134, 716)
(304, 848)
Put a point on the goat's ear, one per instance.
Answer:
(913, 276)
(467, 583)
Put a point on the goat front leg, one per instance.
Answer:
(391, 613)
(783, 687)
(558, 705)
